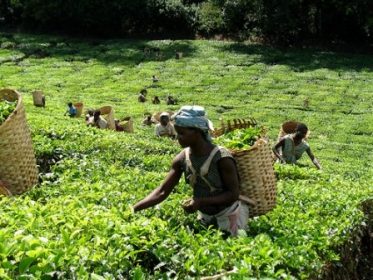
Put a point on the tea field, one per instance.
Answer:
(78, 224)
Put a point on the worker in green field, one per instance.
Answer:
(209, 169)
(99, 121)
(71, 110)
(165, 127)
(291, 147)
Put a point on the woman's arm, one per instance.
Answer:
(228, 173)
(275, 149)
(312, 157)
(162, 191)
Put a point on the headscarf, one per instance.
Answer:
(193, 116)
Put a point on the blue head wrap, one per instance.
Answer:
(193, 116)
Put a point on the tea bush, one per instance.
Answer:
(77, 222)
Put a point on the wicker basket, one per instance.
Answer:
(156, 116)
(127, 124)
(108, 113)
(257, 177)
(38, 98)
(255, 168)
(17, 160)
(79, 109)
(234, 124)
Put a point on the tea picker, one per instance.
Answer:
(156, 100)
(147, 120)
(209, 169)
(99, 121)
(165, 127)
(291, 147)
(71, 110)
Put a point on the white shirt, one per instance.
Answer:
(167, 130)
(101, 123)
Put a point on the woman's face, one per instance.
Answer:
(186, 136)
(164, 120)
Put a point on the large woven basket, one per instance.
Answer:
(257, 177)
(156, 116)
(108, 113)
(127, 124)
(255, 168)
(17, 159)
(79, 109)
(38, 98)
(234, 124)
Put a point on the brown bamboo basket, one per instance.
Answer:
(255, 168)
(234, 124)
(156, 116)
(127, 123)
(17, 159)
(108, 113)
(38, 97)
(79, 109)
(257, 177)
(289, 127)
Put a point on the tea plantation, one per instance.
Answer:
(78, 224)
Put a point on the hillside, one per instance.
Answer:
(77, 223)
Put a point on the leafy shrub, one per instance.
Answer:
(6, 108)
(283, 21)
(210, 19)
(8, 45)
(77, 223)
(239, 138)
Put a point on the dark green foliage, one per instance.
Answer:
(290, 21)
(210, 19)
(281, 21)
(103, 18)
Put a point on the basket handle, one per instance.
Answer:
(247, 200)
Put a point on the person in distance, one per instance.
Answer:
(291, 147)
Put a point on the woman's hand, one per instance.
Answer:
(191, 205)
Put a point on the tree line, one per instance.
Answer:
(279, 21)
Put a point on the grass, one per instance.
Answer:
(77, 223)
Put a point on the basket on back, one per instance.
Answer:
(127, 124)
(17, 159)
(79, 109)
(289, 127)
(257, 176)
(156, 117)
(108, 113)
(38, 98)
(232, 125)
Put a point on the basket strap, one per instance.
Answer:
(193, 177)
(206, 165)
(204, 168)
